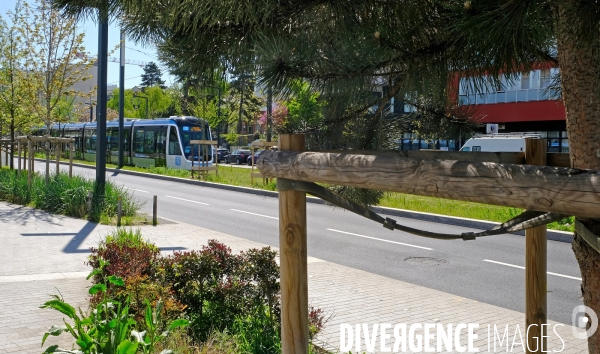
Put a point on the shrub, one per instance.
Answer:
(216, 287)
(64, 195)
(126, 254)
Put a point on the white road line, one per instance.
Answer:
(247, 212)
(520, 267)
(187, 200)
(139, 190)
(381, 239)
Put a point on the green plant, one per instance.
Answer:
(125, 254)
(257, 333)
(108, 328)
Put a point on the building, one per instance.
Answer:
(85, 104)
(524, 102)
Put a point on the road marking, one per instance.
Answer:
(187, 200)
(139, 190)
(520, 267)
(247, 212)
(381, 239)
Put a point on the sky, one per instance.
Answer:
(132, 51)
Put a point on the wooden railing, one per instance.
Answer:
(491, 178)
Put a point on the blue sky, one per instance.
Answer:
(132, 51)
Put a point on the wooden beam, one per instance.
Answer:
(203, 142)
(293, 260)
(551, 189)
(263, 143)
(535, 265)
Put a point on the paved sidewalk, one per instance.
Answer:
(42, 254)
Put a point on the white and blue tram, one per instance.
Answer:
(148, 142)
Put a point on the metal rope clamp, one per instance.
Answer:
(526, 220)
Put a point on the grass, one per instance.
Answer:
(67, 196)
(241, 177)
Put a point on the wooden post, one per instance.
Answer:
(71, 152)
(535, 265)
(154, 209)
(32, 156)
(19, 156)
(90, 197)
(29, 167)
(47, 146)
(119, 210)
(293, 260)
(58, 152)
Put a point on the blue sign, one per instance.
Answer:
(177, 160)
(186, 129)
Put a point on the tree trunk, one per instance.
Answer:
(580, 80)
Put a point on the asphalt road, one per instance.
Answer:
(487, 270)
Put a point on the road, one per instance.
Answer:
(489, 270)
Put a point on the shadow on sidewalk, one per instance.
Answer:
(21, 215)
(79, 237)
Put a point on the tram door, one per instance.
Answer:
(161, 143)
(174, 156)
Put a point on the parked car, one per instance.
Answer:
(239, 156)
(256, 155)
(222, 154)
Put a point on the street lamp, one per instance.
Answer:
(136, 104)
(91, 104)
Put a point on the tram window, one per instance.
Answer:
(161, 141)
(112, 135)
(90, 140)
(138, 143)
(174, 148)
(149, 147)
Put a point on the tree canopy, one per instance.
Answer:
(152, 76)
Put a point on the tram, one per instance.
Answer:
(148, 142)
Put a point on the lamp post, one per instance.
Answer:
(91, 104)
(136, 106)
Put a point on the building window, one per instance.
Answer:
(525, 81)
(545, 78)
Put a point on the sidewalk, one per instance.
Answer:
(42, 254)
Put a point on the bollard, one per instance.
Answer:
(89, 201)
(119, 210)
(154, 208)
(71, 152)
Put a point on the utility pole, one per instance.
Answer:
(122, 100)
(101, 104)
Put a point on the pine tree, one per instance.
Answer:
(152, 76)
(344, 47)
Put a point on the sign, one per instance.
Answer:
(177, 160)
(491, 128)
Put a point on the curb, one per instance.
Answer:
(554, 235)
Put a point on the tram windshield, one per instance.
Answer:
(189, 133)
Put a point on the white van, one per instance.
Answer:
(513, 142)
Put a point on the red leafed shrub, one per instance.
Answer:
(127, 255)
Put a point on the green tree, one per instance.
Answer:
(13, 117)
(52, 43)
(152, 76)
(160, 103)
